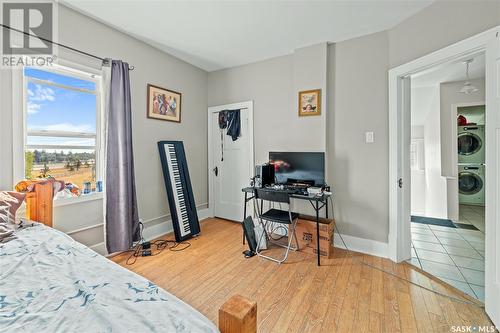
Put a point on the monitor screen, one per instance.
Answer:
(298, 167)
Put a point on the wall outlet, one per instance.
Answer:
(369, 138)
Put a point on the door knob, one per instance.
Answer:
(216, 171)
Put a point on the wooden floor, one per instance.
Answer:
(343, 295)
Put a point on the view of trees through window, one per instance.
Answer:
(61, 127)
(75, 168)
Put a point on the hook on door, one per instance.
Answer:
(216, 171)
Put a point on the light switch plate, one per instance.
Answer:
(369, 137)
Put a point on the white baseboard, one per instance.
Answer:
(165, 227)
(362, 245)
(99, 248)
(357, 244)
(154, 231)
(204, 213)
(157, 230)
(367, 246)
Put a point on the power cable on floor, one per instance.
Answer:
(153, 248)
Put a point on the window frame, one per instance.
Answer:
(97, 79)
(419, 162)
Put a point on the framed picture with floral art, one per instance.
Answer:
(310, 103)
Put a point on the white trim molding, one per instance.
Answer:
(99, 248)
(363, 245)
(165, 227)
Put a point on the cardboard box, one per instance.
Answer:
(306, 235)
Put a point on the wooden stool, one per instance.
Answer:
(238, 315)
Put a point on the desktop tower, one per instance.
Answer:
(264, 175)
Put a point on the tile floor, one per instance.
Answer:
(454, 255)
(472, 215)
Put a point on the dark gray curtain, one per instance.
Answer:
(122, 221)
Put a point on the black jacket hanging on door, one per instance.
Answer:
(229, 119)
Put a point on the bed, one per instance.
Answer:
(51, 283)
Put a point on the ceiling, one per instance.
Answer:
(425, 85)
(214, 35)
(450, 72)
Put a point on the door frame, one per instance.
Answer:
(399, 229)
(248, 105)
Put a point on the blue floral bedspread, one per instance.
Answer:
(51, 283)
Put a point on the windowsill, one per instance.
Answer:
(80, 199)
(67, 201)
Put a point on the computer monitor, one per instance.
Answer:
(299, 167)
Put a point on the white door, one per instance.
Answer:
(231, 165)
(492, 186)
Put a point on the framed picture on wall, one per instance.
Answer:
(310, 103)
(164, 104)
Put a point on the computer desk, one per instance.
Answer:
(317, 202)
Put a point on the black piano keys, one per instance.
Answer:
(179, 190)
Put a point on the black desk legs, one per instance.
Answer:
(326, 211)
(244, 215)
(317, 231)
(317, 204)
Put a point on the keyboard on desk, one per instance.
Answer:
(291, 189)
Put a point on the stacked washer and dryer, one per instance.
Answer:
(471, 159)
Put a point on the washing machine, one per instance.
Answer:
(471, 180)
(471, 144)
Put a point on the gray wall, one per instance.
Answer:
(436, 187)
(269, 84)
(359, 171)
(151, 66)
(356, 88)
(310, 72)
(273, 85)
(428, 187)
(443, 23)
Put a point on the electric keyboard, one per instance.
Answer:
(179, 191)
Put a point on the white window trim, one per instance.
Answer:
(419, 166)
(19, 109)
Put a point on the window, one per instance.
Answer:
(417, 162)
(62, 127)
